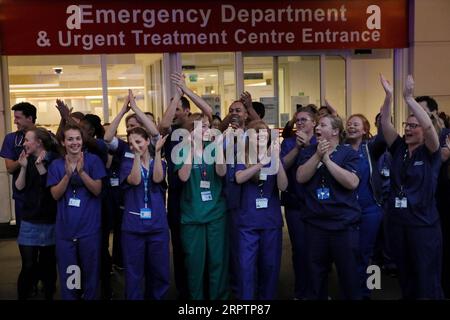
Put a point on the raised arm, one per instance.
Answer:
(429, 133)
(246, 99)
(148, 124)
(64, 112)
(389, 132)
(179, 80)
(331, 109)
(112, 128)
(158, 171)
(169, 114)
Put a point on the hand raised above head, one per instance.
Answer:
(246, 99)
(63, 109)
(387, 86)
(179, 79)
(409, 87)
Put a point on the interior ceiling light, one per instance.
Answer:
(73, 89)
(35, 85)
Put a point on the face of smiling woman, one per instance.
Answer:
(73, 141)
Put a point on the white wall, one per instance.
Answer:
(367, 93)
(431, 50)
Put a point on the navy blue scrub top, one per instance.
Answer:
(85, 220)
(266, 218)
(134, 201)
(342, 208)
(293, 196)
(365, 194)
(418, 175)
(12, 147)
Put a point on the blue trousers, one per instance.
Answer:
(178, 257)
(296, 229)
(340, 246)
(259, 258)
(234, 262)
(417, 251)
(146, 260)
(370, 224)
(84, 253)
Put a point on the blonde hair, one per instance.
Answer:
(336, 123)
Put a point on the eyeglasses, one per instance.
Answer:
(410, 125)
(302, 120)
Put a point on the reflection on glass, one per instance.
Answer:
(212, 77)
(77, 80)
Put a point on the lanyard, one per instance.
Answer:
(405, 163)
(145, 178)
(322, 176)
(203, 171)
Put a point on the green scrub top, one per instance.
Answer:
(193, 209)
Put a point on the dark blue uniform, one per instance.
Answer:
(145, 240)
(232, 193)
(414, 227)
(259, 232)
(78, 228)
(370, 191)
(292, 199)
(332, 216)
(175, 187)
(443, 204)
(11, 149)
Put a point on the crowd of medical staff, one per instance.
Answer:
(347, 196)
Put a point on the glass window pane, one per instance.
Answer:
(212, 77)
(77, 80)
(140, 73)
(258, 80)
(302, 84)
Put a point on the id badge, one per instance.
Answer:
(74, 202)
(401, 203)
(129, 155)
(114, 182)
(262, 203)
(323, 193)
(205, 184)
(146, 213)
(263, 177)
(397, 202)
(206, 196)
